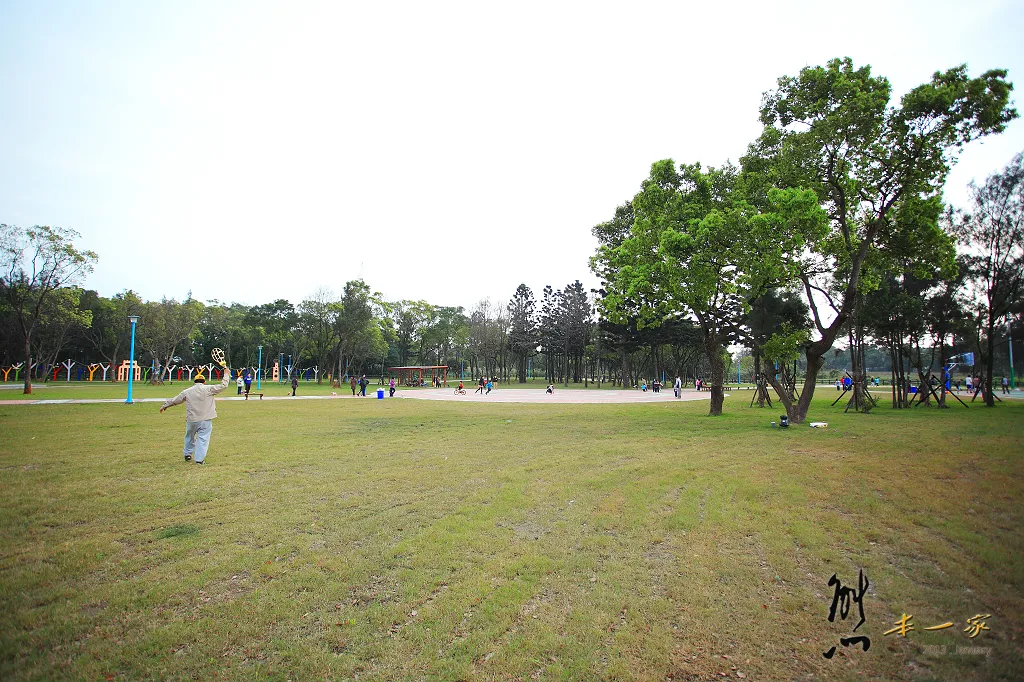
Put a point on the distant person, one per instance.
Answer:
(480, 386)
(461, 386)
(363, 383)
(248, 381)
(391, 388)
(643, 385)
(295, 385)
(490, 385)
(550, 389)
(839, 384)
(1006, 385)
(677, 387)
(240, 383)
(970, 383)
(200, 411)
(353, 382)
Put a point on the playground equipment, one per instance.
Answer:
(122, 371)
(16, 368)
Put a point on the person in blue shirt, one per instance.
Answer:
(248, 381)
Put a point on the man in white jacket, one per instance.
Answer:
(200, 412)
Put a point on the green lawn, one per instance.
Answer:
(395, 540)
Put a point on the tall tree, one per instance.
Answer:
(62, 319)
(357, 331)
(832, 129)
(522, 328)
(110, 331)
(318, 316)
(165, 328)
(35, 264)
(696, 249)
(991, 230)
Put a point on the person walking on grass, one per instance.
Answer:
(353, 382)
(678, 387)
(295, 385)
(200, 411)
(240, 383)
(248, 381)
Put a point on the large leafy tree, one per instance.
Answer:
(35, 265)
(359, 335)
(63, 319)
(165, 328)
(991, 230)
(318, 316)
(109, 334)
(832, 129)
(697, 249)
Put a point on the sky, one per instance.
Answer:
(246, 151)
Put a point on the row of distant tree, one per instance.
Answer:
(46, 317)
(830, 232)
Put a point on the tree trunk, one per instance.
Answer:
(28, 367)
(942, 382)
(990, 363)
(713, 349)
(798, 411)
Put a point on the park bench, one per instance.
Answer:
(253, 393)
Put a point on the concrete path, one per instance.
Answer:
(97, 401)
(502, 395)
(566, 395)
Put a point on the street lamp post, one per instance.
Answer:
(131, 358)
(259, 368)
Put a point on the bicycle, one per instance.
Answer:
(460, 391)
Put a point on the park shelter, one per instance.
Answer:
(417, 372)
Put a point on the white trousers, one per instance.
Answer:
(197, 438)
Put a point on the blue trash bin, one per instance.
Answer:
(380, 394)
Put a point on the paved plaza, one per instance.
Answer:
(561, 395)
(499, 395)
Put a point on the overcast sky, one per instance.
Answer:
(443, 151)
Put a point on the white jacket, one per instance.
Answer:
(198, 399)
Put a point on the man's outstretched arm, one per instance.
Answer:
(171, 402)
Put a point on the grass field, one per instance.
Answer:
(394, 540)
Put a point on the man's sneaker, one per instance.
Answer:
(198, 462)
(188, 458)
